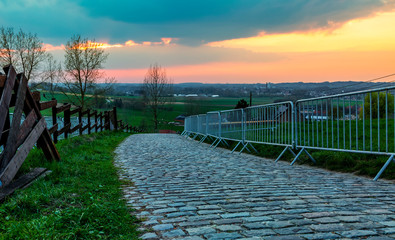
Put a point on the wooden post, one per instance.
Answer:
(96, 121)
(101, 121)
(6, 96)
(54, 121)
(66, 121)
(114, 111)
(11, 146)
(89, 121)
(107, 120)
(80, 121)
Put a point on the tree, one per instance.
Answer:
(241, 104)
(82, 70)
(382, 110)
(52, 75)
(157, 87)
(23, 50)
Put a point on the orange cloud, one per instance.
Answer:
(129, 43)
(50, 47)
(370, 34)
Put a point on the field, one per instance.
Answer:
(132, 110)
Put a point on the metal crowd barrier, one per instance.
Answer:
(358, 122)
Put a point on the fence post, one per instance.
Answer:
(114, 111)
(243, 130)
(219, 125)
(89, 121)
(96, 122)
(80, 121)
(106, 121)
(101, 121)
(54, 121)
(294, 125)
(66, 121)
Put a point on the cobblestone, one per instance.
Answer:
(186, 190)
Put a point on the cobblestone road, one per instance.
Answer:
(184, 190)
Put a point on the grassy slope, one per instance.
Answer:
(80, 199)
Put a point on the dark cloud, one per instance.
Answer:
(208, 20)
(193, 22)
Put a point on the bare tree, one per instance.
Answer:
(23, 50)
(83, 69)
(156, 87)
(52, 74)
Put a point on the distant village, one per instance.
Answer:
(286, 90)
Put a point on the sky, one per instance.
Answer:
(222, 41)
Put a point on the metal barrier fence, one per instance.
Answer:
(267, 124)
(358, 122)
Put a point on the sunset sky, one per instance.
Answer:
(222, 41)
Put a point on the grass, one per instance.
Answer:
(360, 164)
(176, 106)
(80, 199)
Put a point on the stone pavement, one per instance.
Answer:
(185, 190)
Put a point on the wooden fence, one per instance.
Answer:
(18, 135)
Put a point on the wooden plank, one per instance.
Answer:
(53, 129)
(84, 127)
(93, 126)
(11, 145)
(47, 104)
(64, 129)
(36, 96)
(45, 141)
(26, 127)
(6, 96)
(75, 128)
(74, 111)
(16, 162)
(2, 80)
(63, 108)
(21, 182)
(85, 112)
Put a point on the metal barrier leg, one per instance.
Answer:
(311, 158)
(297, 156)
(202, 140)
(226, 143)
(220, 140)
(281, 154)
(183, 133)
(253, 148)
(245, 146)
(214, 142)
(235, 147)
(308, 154)
(195, 136)
(291, 151)
(248, 148)
(384, 167)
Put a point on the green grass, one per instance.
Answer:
(80, 199)
(360, 164)
(176, 106)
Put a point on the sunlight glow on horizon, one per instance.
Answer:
(358, 50)
(369, 34)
